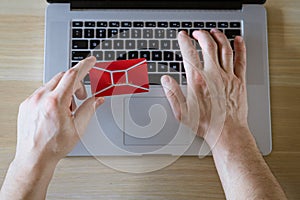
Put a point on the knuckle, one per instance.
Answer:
(72, 72)
(178, 115)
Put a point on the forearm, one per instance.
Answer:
(26, 181)
(243, 172)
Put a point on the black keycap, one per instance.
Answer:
(145, 54)
(151, 66)
(89, 24)
(102, 24)
(222, 24)
(174, 66)
(80, 44)
(98, 55)
(168, 55)
(159, 33)
(100, 33)
(156, 55)
(130, 44)
(235, 24)
(178, 56)
(142, 44)
(126, 24)
(183, 79)
(89, 33)
(73, 64)
(150, 24)
(175, 24)
(232, 44)
(95, 44)
(198, 24)
(191, 32)
(138, 24)
(182, 67)
(133, 54)
(80, 55)
(154, 79)
(175, 45)
(231, 33)
(112, 33)
(114, 24)
(163, 24)
(121, 55)
(186, 24)
(109, 55)
(211, 24)
(77, 33)
(87, 80)
(77, 24)
(118, 44)
(183, 29)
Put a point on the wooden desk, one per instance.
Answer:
(21, 66)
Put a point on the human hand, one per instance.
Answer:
(49, 125)
(216, 97)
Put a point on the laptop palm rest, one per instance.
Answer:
(150, 121)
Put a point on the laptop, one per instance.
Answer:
(143, 124)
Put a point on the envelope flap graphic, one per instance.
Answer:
(119, 77)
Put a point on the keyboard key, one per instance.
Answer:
(89, 33)
(77, 33)
(145, 54)
(182, 67)
(175, 24)
(178, 56)
(183, 79)
(142, 44)
(162, 67)
(171, 33)
(153, 44)
(183, 29)
(114, 24)
(130, 44)
(168, 56)
(100, 33)
(159, 33)
(151, 66)
(186, 24)
(77, 24)
(112, 33)
(106, 44)
(118, 44)
(232, 44)
(136, 33)
(174, 67)
(175, 45)
(154, 79)
(156, 55)
(126, 24)
(165, 44)
(133, 54)
(101, 24)
(89, 24)
(211, 24)
(235, 24)
(222, 24)
(87, 80)
(80, 44)
(109, 55)
(150, 24)
(95, 44)
(80, 55)
(73, 64)
(163, 24)
(98, 55)
(198, 24)
(138, 24)
(147, 33)
(232, 33)
(124, 33)
(121, 55)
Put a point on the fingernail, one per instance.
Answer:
(165, 80)
(214, 30)
(99, 101)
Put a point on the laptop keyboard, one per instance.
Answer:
(155, 41)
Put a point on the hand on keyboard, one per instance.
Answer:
(216, 89)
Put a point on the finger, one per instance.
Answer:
(51, 85)
(69, 82)
(85, 111)
(80, 93)
(240, 60)
(225, 50)
(209, 49)
(73, 105)
(175, 96)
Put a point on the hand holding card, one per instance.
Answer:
(119, 77)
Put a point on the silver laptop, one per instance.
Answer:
(143, 124)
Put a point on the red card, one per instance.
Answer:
(119, 77)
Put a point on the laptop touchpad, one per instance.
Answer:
(149, 121)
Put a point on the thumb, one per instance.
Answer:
(84, 113)
(175, 96)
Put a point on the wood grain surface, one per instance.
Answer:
(21, 71)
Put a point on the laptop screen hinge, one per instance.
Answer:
(156, 4)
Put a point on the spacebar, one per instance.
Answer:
(154, 79)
